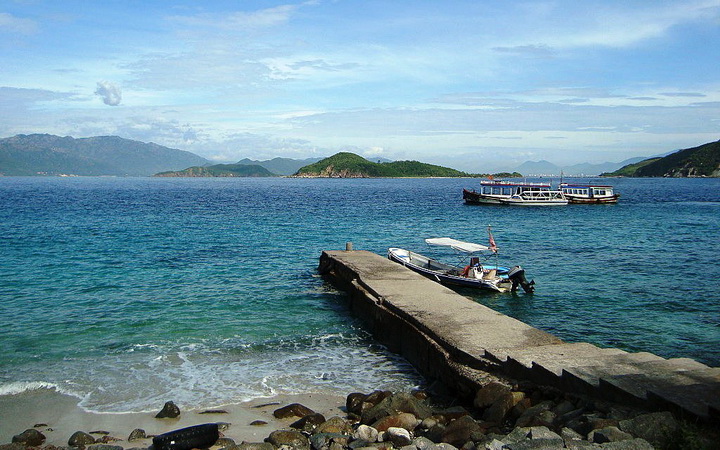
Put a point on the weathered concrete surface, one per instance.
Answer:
(452, 338)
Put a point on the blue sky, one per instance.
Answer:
(474, 85)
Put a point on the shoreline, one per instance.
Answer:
(500, 414)
(60, 416)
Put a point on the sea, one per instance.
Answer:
(129, 292)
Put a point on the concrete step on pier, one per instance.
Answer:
(448, 336)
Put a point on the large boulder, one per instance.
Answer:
(459, 431)
(502, 405)
(608, 434)
(354, 401)
(396, 404)
(657, 428)
(80, 439)
(402, 420)
(293, 439)
(136, 435)
(292, 410)
(328, 441)
(170, 411)
(29, 438)
(308, 423)
(400, 437)
(490, 393)
(529, 416)
(366, 433)
(334, 424)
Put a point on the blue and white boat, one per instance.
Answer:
(589, 193)
(501, 192)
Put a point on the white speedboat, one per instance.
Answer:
(500, 192)
(485, 275)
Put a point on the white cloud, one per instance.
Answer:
(109, 92)
(12, 24)
(622, 26)
(239, 20)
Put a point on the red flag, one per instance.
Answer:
(493, 246)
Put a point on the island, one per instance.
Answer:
(220, 170)
(350, 165)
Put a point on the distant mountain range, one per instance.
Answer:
(545, 168)
(280, 166)
(700, 161)
(45, 154)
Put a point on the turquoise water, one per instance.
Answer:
(128, 292)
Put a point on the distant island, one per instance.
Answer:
(350, 165)
(220, 170)
(701, 161)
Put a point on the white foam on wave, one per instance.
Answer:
(206, 374)
(21, 387)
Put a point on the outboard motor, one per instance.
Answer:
(517, 276)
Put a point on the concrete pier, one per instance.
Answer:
(449, 337)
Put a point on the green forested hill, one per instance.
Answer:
(350, 165)
(220, 170)
(701, 161)
(630, 169)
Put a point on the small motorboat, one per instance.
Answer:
(485, 275)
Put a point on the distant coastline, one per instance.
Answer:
(49, 155)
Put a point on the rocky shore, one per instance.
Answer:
(500, 416)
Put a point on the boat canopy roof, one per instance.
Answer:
(467, 247)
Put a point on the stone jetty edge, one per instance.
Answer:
(463, 344)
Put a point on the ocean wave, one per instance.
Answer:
(22, 387)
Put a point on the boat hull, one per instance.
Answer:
(443, 273)
(593, 200)
(541, 198)
(476, 198)
(535, 202)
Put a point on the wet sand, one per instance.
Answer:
(61, 417)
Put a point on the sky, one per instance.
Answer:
(477, 85)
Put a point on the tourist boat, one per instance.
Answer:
(582, 193)
(500, 192)
(485, 275)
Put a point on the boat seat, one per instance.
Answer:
(490, 275)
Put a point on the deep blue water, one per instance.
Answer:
(128, 292)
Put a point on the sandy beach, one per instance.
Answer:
(59, 416)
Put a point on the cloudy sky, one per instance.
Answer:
(475, 85)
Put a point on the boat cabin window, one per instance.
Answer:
(497, 190)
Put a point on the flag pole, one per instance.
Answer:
(493, 246)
